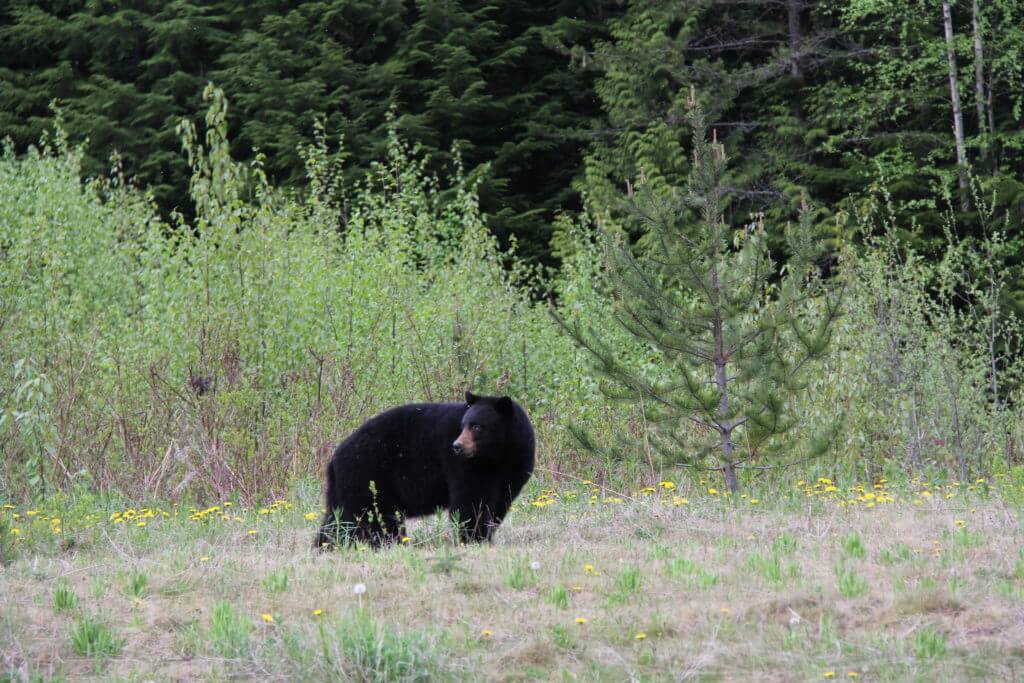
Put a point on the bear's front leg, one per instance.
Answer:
(475, 520)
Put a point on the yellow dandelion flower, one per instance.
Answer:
(667, 485)
(204, 558)
(677, 501)
(754, 501)
(56, 529)
(576, 589)
(311, 515)
(830, 674)
(406, 539)
(269, 618)
(16, 531)
(252, 532)
(960, 523)
(588, 569)
(852, 674)
(317, 612)
(713, 491)
(31, 513)
(581, 620)
(640, 636)
(487, 633)
(724, 610)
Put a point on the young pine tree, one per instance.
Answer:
(730, 339)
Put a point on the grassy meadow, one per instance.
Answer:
(671, 582)
(171, 389)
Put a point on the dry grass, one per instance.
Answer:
(707, 590)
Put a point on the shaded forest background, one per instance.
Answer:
(548, 102)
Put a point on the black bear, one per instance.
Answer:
(470, 458)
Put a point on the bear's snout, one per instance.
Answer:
(465, 445)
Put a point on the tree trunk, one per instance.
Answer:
(958, 115)
(979, 79)
(793, 8)
(729, 468)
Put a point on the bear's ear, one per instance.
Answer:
(503, 405)
(470, 397)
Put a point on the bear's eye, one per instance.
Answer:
(476, 428)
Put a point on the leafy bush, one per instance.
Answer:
(229, 354)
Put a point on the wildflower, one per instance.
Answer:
(587, 481)
(581, 620)
(852, 674)
(140, 524)
(204, 558)
(754, 501)
(269, 618)
(406, 539)
(960, 523)
(252, 532)
(487, 633)
(677, 501)
(575, 589)
(535, 565)
(713, 491)
(359, 588)
(640, 636)
(830, 674)
(667, 485)
(980, 481)
(16, 531)
(588, 569)
(317, 612)
(310, 515)
(32, 513)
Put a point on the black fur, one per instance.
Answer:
(470, 458)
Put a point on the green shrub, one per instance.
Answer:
(361, 648)
(229, 631)
(91, 637)
(929, 643)
(64, 599)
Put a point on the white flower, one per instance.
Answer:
(535, 565)
(359, 588)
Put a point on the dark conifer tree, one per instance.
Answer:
(730, 350)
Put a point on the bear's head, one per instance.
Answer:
(489, 426)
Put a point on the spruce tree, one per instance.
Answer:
(731, 339)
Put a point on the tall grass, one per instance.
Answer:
(226, 355)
